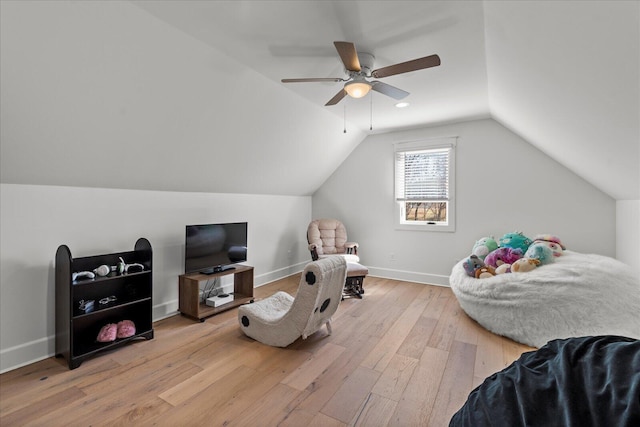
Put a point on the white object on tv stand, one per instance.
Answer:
(190, 304)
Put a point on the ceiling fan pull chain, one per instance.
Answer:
(371, 112)
(345, 119)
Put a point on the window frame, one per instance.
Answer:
(421, 145)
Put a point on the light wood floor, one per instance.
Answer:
(405, 355)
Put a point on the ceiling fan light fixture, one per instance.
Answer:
(357, 88)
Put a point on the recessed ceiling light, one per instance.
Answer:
(402, 104)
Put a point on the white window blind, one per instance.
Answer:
(423, 175)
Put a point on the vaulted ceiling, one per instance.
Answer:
(565, 75)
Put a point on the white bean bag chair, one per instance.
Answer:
(577, 295)
(281, 319)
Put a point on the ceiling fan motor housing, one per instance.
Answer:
(366, 63)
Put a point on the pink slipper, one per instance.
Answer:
(126, 329)
(108, 333)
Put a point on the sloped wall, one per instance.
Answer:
(102, 94)
(503, 184)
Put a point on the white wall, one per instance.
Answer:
(628, 232)
(35, 220)
(503, 184)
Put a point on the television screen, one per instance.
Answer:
(210, 248)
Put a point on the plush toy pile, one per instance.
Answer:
(513, 252)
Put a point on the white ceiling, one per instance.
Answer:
(564, 75)
(289, 39)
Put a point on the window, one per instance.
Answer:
(424, 182)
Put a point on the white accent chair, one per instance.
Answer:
(281, 319)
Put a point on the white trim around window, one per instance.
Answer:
(424, 182)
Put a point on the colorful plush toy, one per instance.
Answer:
(553, 242)
(515, 240)
(524, 264)
(541, 252)
(503, 268)
(484, 246)
(484, 272)
(471, 264)
(503, 256)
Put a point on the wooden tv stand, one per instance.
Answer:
(189, 303)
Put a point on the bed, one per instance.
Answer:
(581, 381)
(577, 295)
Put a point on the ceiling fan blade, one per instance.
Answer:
(320, 79)
(388, 90)
(348, 54)
(337, 98)
(405, 67)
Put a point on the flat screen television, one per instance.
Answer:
(210, 248)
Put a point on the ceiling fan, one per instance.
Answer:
(359, 67)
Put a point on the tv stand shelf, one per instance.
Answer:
(192, 306)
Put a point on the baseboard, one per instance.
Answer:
(27, 353)
(278, 274)
(409, 276)
(164, 310)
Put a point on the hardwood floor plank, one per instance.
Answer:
(296, 418)
(446, 328)
(488, 355)
(380, 357)
(419, 396)
(253, 391)
(204, 407)
(416, 341)
(456, 383)
(468, 329)
(47, 378)
(395, 377)
(322, 420)
(42, 407)
(269, 410)
(123, 393)
(325, 386)
(313, 366)
(198, 382)
(376, 411)
(141, 411)
(347, 401)
(511, 351)
(438, 302)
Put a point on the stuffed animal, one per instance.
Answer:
(515, 240)
(484, 246)
(503, 268)
(503, 256)
(541, 252)
(553, 242)
(524, 264)
(471, 264)
(484, 272)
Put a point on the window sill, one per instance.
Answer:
(450, 228)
